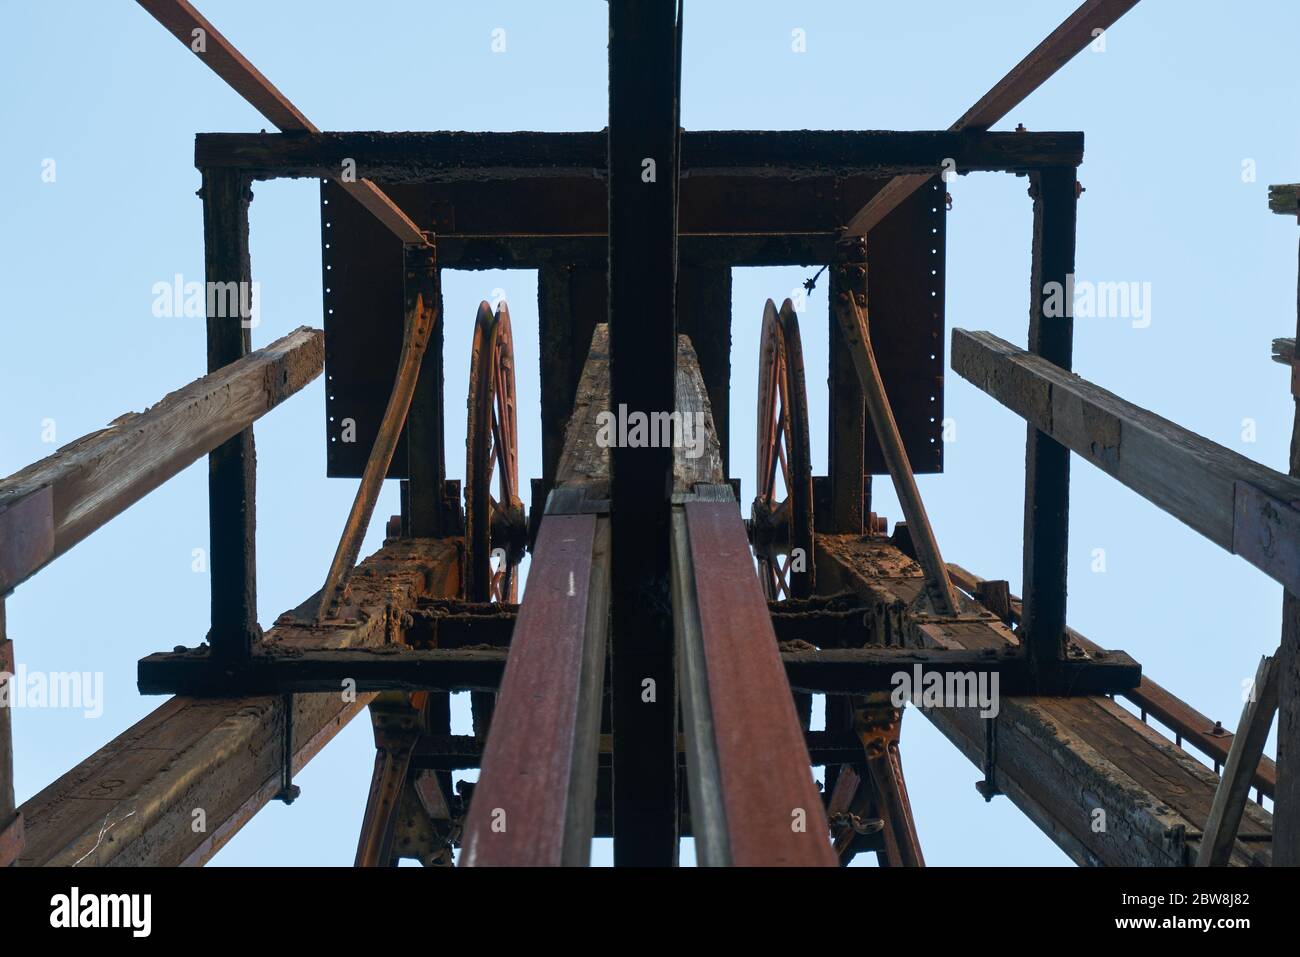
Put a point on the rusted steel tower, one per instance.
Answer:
(651, 685)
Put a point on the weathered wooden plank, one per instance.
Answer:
(593, 425)
(1238, 504)
(1103, 786)
(133, 802)
(1203, 733)
(1233, 794)
(890, 583)
(51, 505)
(1287, 796)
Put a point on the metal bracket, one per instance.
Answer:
(288, 790)
(988, 788)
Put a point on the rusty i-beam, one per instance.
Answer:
(644, 112)
(1060, 46)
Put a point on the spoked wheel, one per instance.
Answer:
(495, 532)
(782, 515)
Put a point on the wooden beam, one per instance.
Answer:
(1047, 462)
(232, 466)
(207, 42)
(1286, 803)
(1188, 725)
(51, 505)
(1233, 793)
(133, 801)
(419, 157)
(644, 120)
(1240, 505)
(1077, 31)
(1104, 787)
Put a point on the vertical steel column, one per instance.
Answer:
(426, 467)
(1220, 835)
(848, 415)
(1047, 462)
(643, 165)
(232, 467)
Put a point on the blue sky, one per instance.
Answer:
(1182, 96)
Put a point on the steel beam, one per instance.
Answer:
(1075, 33)
(736, 703)
(774, 155)
(232, 466)
(643, 170)
(426, 466)
(850, 486)
(206, 41)
(857, 336)
(1047, 462)
(534, 803)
